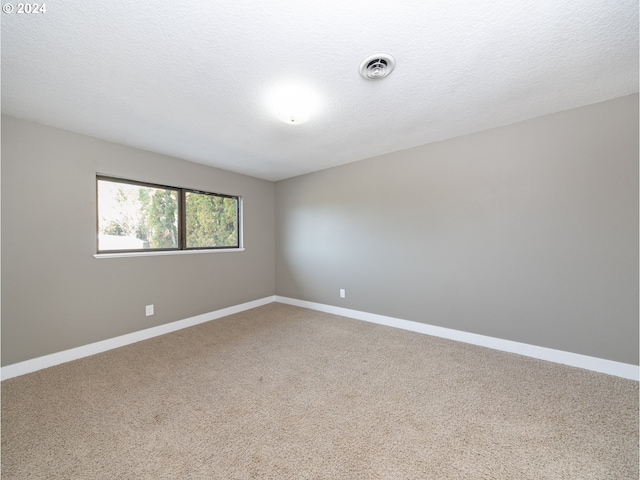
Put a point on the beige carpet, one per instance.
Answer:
(280, 392)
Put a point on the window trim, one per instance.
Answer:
(182, 220)
(153, 253)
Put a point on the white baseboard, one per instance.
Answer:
(601, 365)
(53, 359)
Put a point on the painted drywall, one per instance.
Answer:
(56, 295)
(527, 232)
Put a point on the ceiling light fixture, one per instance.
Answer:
(376, 66)
(293, 103)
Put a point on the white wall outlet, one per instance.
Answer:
(342, 293)
(148, 310)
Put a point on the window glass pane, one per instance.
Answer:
(212, 220)
(136, 217)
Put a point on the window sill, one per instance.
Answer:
(174, 252)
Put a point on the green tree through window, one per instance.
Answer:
(137, 216)
(212, 220)
(163, 219)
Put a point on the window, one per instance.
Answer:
(135, 216)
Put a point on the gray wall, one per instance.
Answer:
(527, 232)
(56, 295)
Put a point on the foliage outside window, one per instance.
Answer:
(211, 220)
(135, 216)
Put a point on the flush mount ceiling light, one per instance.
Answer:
(377, 66)
(293, 103)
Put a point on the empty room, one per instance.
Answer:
(320, 240)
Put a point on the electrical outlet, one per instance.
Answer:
(342, 293)
(148, 310)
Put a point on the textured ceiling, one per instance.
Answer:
(190, 79)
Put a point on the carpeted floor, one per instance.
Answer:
(281, 392)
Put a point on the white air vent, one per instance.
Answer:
(378, 65)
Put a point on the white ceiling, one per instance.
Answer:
(190, 79)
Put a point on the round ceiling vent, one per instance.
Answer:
(378, 65)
